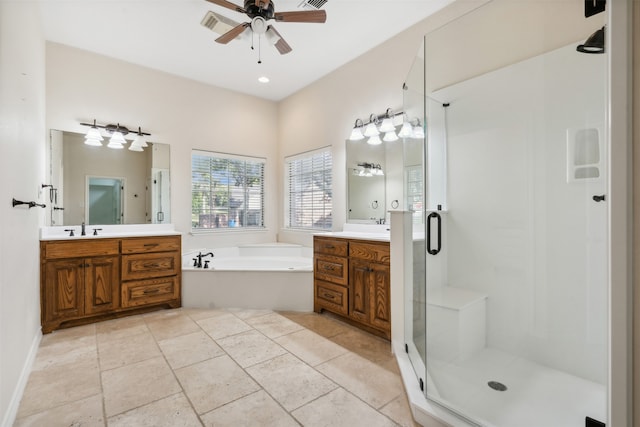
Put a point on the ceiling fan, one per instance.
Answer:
(261, 11)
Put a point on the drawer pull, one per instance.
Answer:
(328, 296)
(328, 267)
(330, 247)
(151, 265)
(151, 291)
(150, 245)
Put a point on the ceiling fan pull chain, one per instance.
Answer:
(259, 51)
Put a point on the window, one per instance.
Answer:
(227, 191)
(308, 190)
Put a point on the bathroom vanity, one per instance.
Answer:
(352, 280)
(86, 279)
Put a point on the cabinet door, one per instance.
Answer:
(63, 291)
(359, 306)
(102, 280)
(379, 296)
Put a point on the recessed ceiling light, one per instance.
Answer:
(263, 79)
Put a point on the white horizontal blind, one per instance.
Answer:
(227, 191)
(309, 192)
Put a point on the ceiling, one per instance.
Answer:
(167, 35)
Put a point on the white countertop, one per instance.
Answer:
(107, 231)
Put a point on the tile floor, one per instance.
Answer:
(191, 367)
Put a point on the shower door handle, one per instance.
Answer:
(438, 219)
(599, 198)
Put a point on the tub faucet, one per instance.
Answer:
(198, 263)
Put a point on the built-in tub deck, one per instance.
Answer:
(275, 276)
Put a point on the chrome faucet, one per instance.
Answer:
(82, 232)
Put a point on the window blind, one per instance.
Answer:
(227, 191)
(309, 192)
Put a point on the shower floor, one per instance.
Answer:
(536, 395)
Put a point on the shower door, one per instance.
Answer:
(515, 301)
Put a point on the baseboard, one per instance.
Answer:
(12, 410)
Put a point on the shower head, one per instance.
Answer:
(594, 44)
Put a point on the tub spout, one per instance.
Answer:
(198, 263)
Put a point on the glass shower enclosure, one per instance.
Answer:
(506, 318)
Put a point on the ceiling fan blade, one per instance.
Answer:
(282, 46)
(265, 3)
(318, 16)
(228, 5)
(232, 34)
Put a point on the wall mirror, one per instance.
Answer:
(366, 182)
(100, 185)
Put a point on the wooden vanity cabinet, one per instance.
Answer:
(83, 281)
(352, 279)
(150, 270)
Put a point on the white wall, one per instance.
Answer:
(82, 86)
(22, 136)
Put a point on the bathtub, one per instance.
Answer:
(274, 276)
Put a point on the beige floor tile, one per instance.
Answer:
(251, 347)
(214, 382)
(137, 384)
(321, 324)
(119, 328)
(223, 326)
(127, 350)
(69, 334)
(189, 349)
(365, 379)
(375, 349)
(291, 382)
(399, 411)
(172, 411)
(59, 385)
(247, 313)
(340, 409)
(85, 412)
(312, 348)
(256, 409)
(202, 313)
(162, 314)
(171, 326)
(273, 325)
(63, 352)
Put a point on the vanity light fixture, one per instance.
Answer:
(418, 131)
(406, 130)
(117, 132)
(369, 169)
(374, 140)
(356, 132)
(382, 123)
(390, 137)
(372, 127)
(387, 123)
(93, 136)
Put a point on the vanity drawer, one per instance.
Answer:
(144, 292)
(331, 268)
(330, 246)
(79, 248)
(331, 297)
(376, 252)
(144, 266)
(151, 244)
